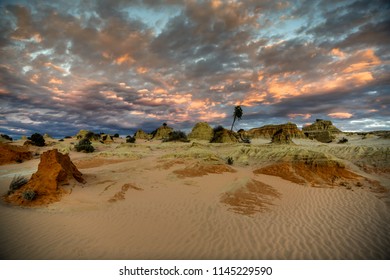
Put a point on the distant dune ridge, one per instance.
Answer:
(282, 196)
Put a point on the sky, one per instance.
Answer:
(119, 66)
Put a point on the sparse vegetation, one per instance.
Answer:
(5, 136)
(176, 135)
(218, 128)
(237, 115)
(17, 182)
(343, 140)
(130, 139)
(84, 145)
(216, 132)
(92, 136)
(37, 140)
(29, 195)
(230, 161)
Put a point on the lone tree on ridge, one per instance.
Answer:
(237, 115)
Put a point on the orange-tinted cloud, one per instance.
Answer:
(340, 115)
(142, 70)
(304, 116)
(126, 58)
(56, 67)
(55, 81)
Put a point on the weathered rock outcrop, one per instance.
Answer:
(201, 131)
(12, 154)
(313, 168)
(140, 134)
(321, 130)
(54, 171)
(162, 132)
(106, 139)
(268, 131)
(225, 136)
(81, 134)
(322, 125)
(282, 136)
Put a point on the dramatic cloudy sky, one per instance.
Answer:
(117, 66)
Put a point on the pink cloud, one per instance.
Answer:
(340, 115)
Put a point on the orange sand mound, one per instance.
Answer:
(11, 154)
(201, 169)
(318, 173)
(54, 170)
(254, 197)
(121, 194)
(170, 163)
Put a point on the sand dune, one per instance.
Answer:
(145, 207)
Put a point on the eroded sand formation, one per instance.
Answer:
(201, 200)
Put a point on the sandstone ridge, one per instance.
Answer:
(12, 154)
(268, 131)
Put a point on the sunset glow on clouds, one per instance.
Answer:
(117, 66)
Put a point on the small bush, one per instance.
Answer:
(68, 137)
(116, 135)
(216, 133)
(61, 140)
(17, 182)
(5, 136)
(343, 140)
(218, 128)
(84, 145)
(29, 195)
(37, 140)
(230, 161)
(130, 139)
(92, 136)
(177, 135)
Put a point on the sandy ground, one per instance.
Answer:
(154, 200)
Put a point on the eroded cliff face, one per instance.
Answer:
(12, 154)
(268, 131)
(54, 170)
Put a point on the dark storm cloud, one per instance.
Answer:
(377, 34)
(293, 55)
